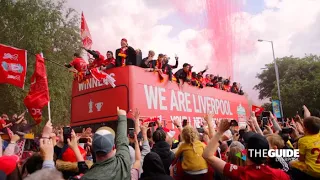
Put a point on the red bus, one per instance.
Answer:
(94, 104)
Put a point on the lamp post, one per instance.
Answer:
(277, 75)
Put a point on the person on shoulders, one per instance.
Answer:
(255, 167)
(126, 55)
(308, 164)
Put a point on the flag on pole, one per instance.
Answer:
(13, 65)
(38, 95)
(85, 36)
(257, 110)
(85, 33)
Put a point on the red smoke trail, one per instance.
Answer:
(220, 31)
(219, 14)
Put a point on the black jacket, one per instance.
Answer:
(131, 58)
(153, 168)
(162, 148)
(149, 65)
(180, 74)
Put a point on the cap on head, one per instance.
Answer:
(103, 140)
(257, 142)
(124, 39)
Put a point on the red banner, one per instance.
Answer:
(38, 95)
(102, 77)
(85, 33)
(13, 67)
(257, 110)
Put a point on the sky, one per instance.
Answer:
(293, 26)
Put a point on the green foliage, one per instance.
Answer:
(299, 83)
(267, 106)
(41, 26)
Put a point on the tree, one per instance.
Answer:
(299, 82)
(41, 26)
(267, 106)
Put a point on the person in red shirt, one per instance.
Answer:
(110, 62)
(78, 63)
(255, 167)
(98, 57)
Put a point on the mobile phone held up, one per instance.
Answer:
(66, 134)
(83, 140)
(200, 130)
(265, 114)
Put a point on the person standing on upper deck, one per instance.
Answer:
(125, 55)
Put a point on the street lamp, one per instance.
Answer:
(277, 75)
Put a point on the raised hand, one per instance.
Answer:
(73, 142)
(46, 148)
(121, 112)
(47, 130)
(136, 114)
(224, 125)
(176, 122)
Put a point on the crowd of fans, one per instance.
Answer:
(126, 55)
(153, 152)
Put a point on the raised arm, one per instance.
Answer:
(177, 63)
(122, 143)
(255, 123)
(208, 153)
(136, 116)
(137, 163)
(275, 123)
(209, 119)
(306, 112)
(93, 53)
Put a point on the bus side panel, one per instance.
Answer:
(100, 104)
(165, 99)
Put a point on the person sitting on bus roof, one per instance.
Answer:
(226, 85)
(166, 60)
(125, 55)
(160, 65)
(110, 62)
(78, 63)
(220, 83)
(183, 73)
(98, 57)
(147, 62)
(234, 88)
(195, 80)
(208, 79)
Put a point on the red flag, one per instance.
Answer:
(13, 67)
(257, 110)
(103, 77)
(38, 95)
(85, 33)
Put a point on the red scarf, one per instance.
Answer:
(123, 55)
(159, 65)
